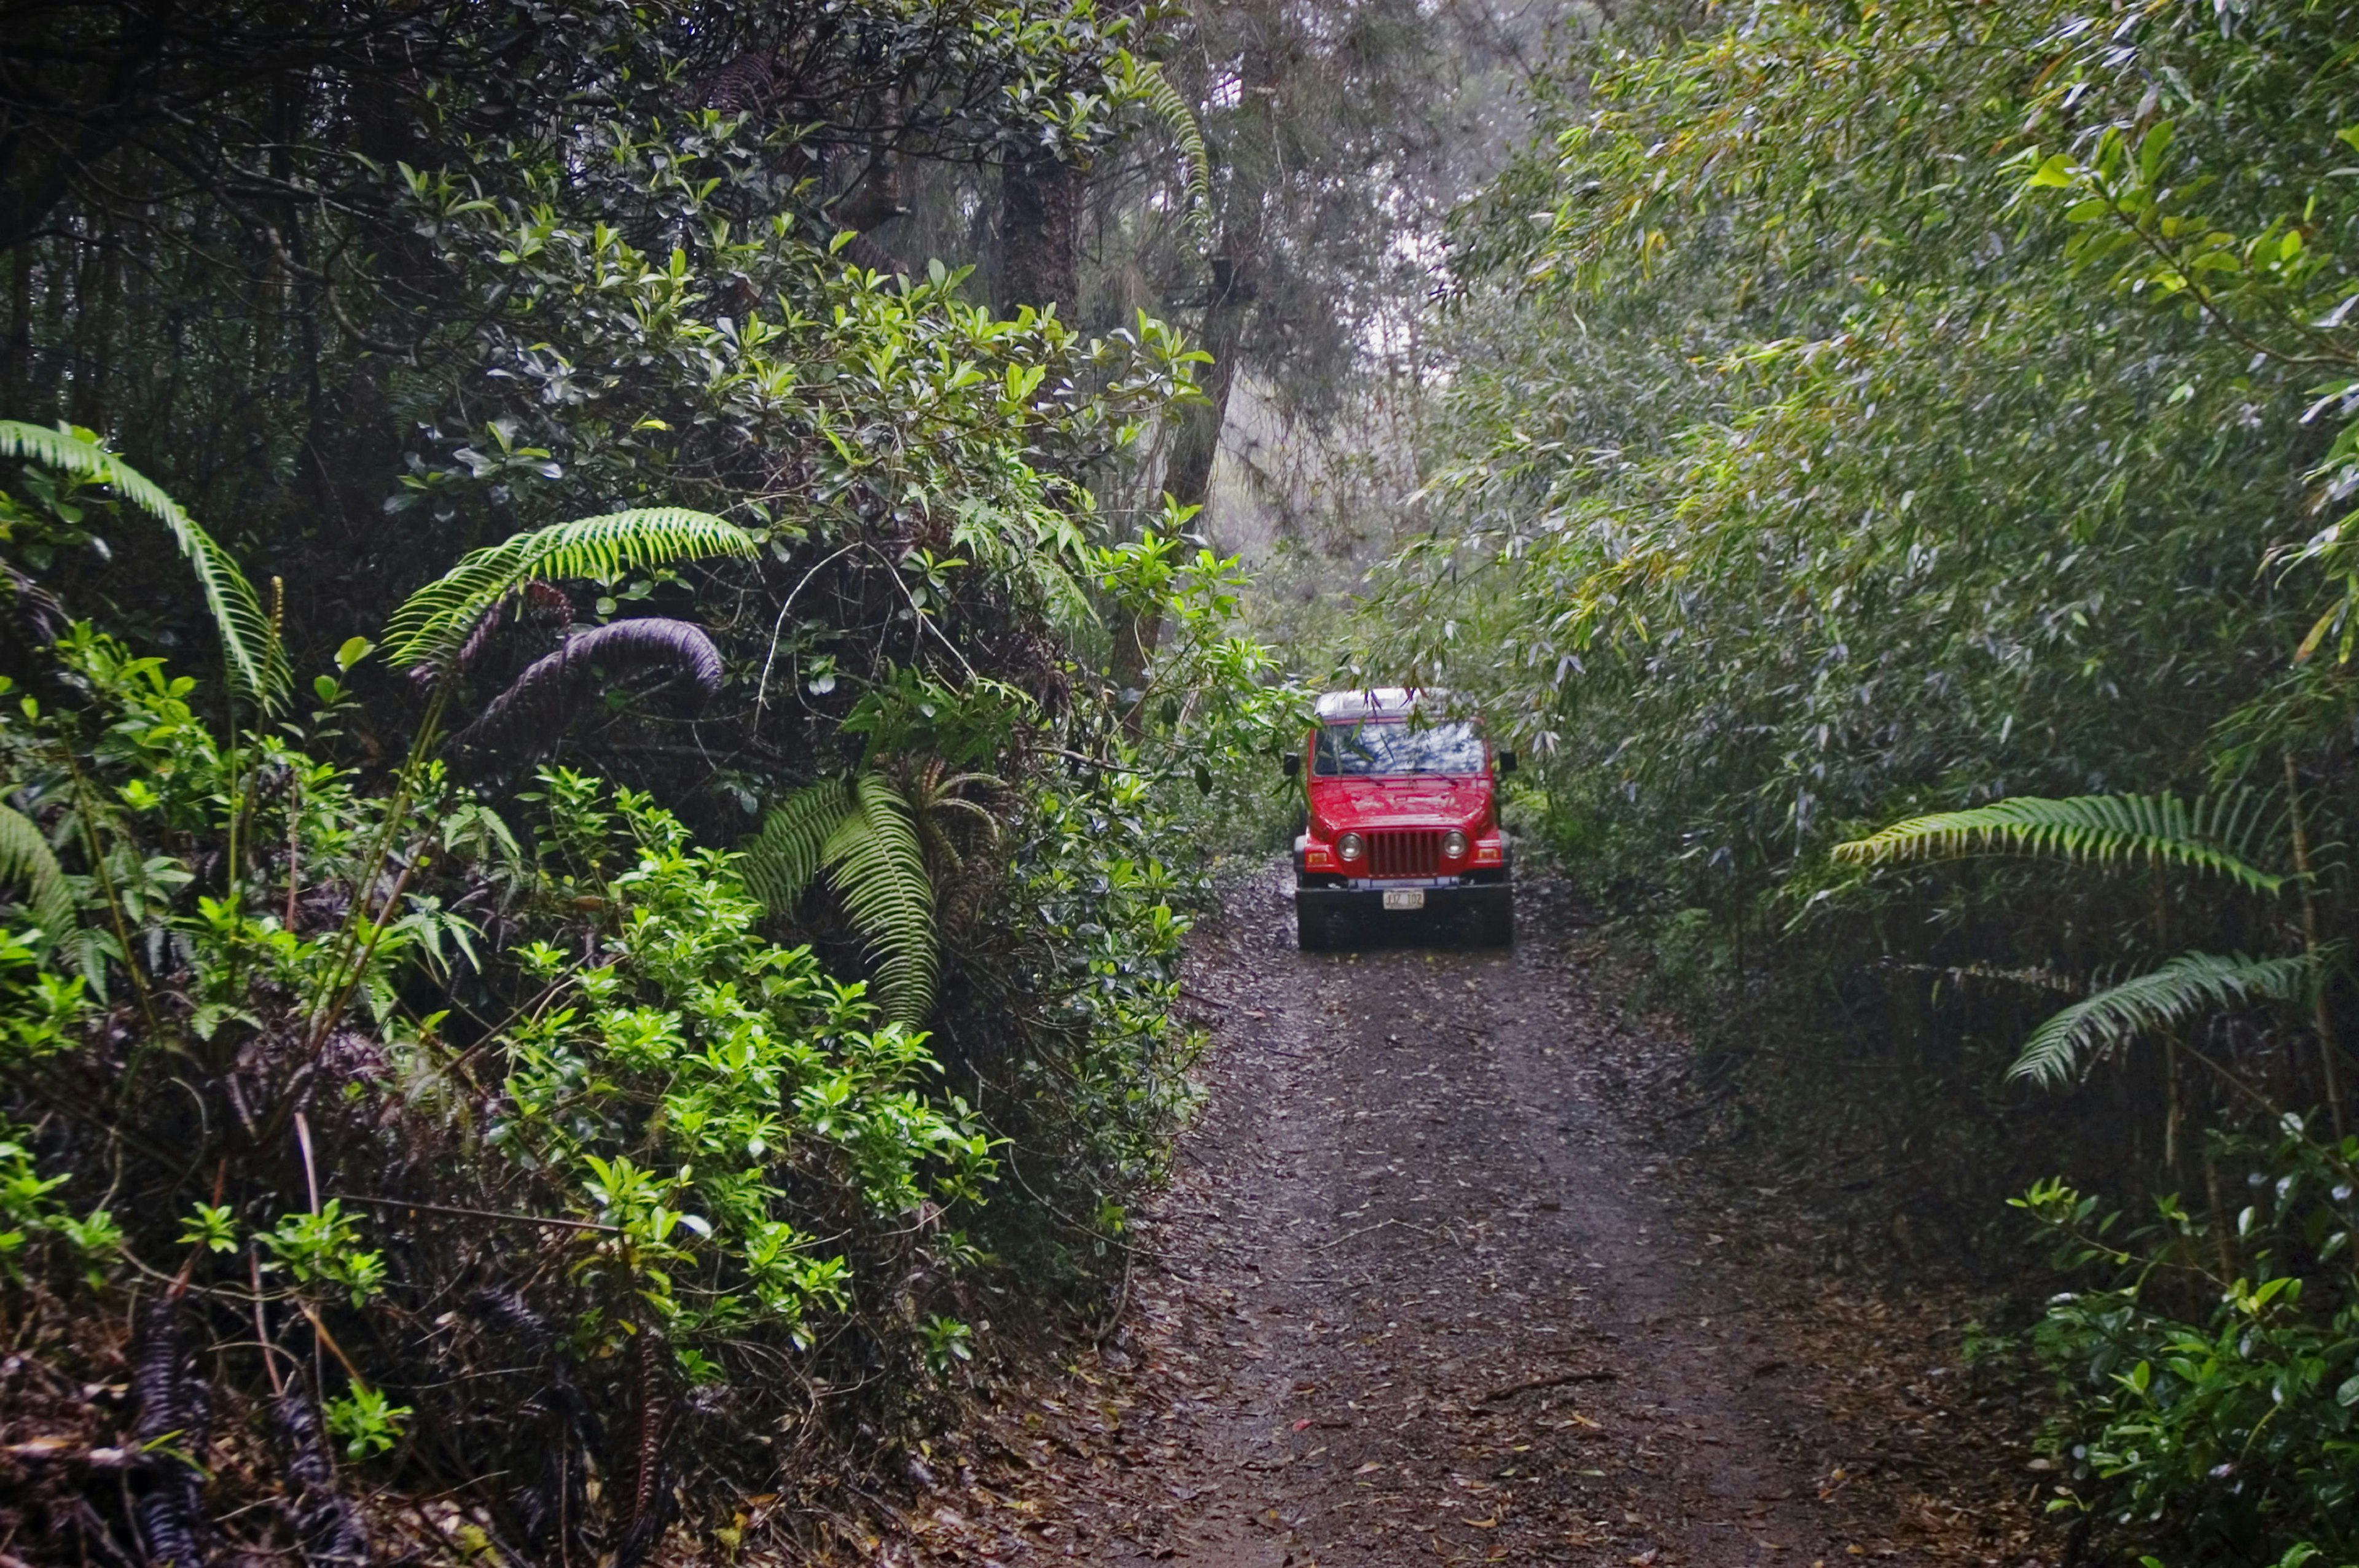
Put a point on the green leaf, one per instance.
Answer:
(25, 856)
(250, 647)
(2151, 150)
(2056, 173)
(2176, 990)
(2160, 829)
(433, 624)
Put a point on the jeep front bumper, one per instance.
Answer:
(1435, 895)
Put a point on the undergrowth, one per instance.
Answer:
(394, 1162)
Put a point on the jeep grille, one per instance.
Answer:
(1413, 853)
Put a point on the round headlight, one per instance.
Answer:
(1350, 848)
(1454, 845)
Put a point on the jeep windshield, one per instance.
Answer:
(1363, 749)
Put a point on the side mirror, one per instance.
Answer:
(1291, 765)
(1506, 763)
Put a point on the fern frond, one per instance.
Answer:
(1165, 102)
(25, 856)
(2176, 990)
(2202, 835)
(250, 647)
(434, 623)
(875, 863)
(973, 808)
(862, 833)
(781, 859)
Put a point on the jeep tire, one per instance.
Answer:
(1496, 921)
(1313, 927)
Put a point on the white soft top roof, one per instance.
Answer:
(1382, 702)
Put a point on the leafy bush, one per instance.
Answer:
(1096, 876)
(281, 1023)
(690, 1079)
(689, 1152)
(2235, 1433)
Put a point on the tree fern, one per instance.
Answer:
(2207, 835)
(433, 624)
(933, 793)
(25, 856)
(2175, 991)
(862, 833)
(258, 665)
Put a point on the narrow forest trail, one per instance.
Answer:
(1415, 1293)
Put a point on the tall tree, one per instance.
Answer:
(1040, 234)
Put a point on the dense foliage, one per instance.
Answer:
(572, 996)
(1869, 412)
(2235, 1433)
(273, 1025)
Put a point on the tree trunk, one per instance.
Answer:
(17, 377)
(1195, 447)
(1039, 235)
(98, 286)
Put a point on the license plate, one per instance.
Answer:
(1404, 898)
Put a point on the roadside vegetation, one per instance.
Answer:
(626, 634)
(1898, 480)
(586, 919)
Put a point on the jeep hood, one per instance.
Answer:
(1406, 800)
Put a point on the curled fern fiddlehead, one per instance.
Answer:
(40, 617)
(538, 705)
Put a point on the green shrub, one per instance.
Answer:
(2232, 1430)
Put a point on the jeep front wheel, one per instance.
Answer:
(1499, 920)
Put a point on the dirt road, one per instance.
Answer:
(1416, 1294)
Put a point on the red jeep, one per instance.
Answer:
(1402, 815)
